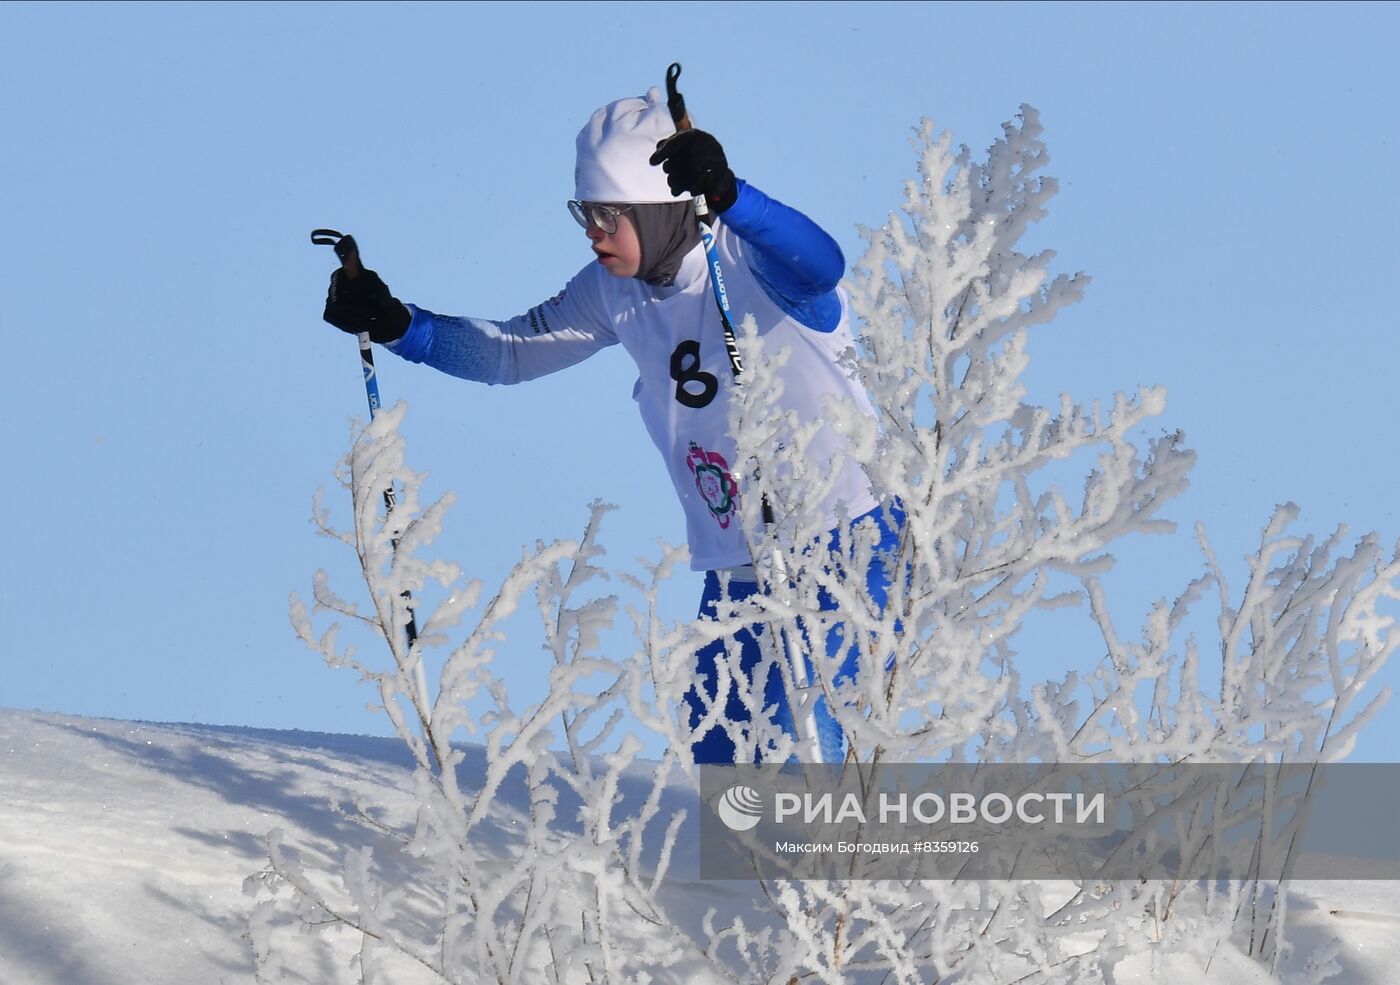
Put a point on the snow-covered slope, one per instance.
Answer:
(124, 846)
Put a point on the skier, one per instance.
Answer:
(649, 290)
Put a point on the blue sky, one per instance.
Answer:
(173, 399)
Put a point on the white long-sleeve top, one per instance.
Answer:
(779, 273)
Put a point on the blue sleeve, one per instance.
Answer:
(795, 260)
(452, 345)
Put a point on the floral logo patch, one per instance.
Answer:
(717, 487)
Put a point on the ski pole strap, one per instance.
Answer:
(345, 248)
(675, 102)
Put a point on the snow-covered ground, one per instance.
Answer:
(124, 847)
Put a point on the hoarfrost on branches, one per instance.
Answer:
(560, 855)
(492, 881)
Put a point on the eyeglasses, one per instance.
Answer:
(592, 214)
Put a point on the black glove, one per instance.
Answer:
(364, 304)
(694, 163)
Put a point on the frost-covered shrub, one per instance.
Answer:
(525, 863)
(946, 304)
(559, 855)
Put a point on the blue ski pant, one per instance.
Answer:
(716, 746)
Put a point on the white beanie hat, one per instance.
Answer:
(613, 149)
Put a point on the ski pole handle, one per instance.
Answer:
(349, 253)
(680, 116)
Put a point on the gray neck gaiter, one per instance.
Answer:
(666, 232)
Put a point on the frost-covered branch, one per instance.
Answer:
(526, 859)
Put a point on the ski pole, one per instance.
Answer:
(349, 253)
(777, 566)
(675, 102)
